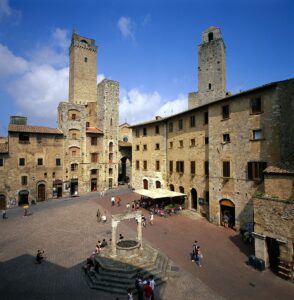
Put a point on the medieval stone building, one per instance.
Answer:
(217, 150)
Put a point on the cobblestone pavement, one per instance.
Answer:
(67, 230)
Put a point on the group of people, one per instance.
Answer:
(145, 288)
(115, 200)
(100, 245)
(197, 255)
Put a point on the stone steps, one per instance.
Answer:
(117, 279)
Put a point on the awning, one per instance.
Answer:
(158, 193)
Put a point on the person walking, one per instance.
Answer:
(39, 256)
(199, 256)
(98, 215)
(112, 201)
(4, 214)
(151, 218)
(130, 294)
(152, 284)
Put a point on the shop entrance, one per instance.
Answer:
(74, 186)
(23, 198)
(227, 211)
(194, 198)
(41, 192)
(2, 201)
(273, 253)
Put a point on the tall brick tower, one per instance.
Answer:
(82, 70)
(211, 69)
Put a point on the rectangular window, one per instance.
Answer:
(137, 132)
(157, 147)
(94, 141)
(73, 116)
(171, 144)
(226, 112)
(24, 180)
(180, 124)
(170, 126)
(156, 129)
(255, 105)
(94, 157)
(74, 153)
(206, 168)
(74, 136)
(226, 169)
(40, 162)
(193, 167)
(206, 140)
(137, 147)
(94, 172)
(257, 134)
(180, 166)
(145, 165)
(74, 167)
(39, 139)
(87, 124)
(137, 165)
(22, 162)
(110, 157)
(145, 147)
(226, 138)
(24, 138)
(58, 162)
(192, 143)
(1, 162)
(255, 170)
(192, 121)
(144, 131)
(205, 117)
(171, 166)
(157, 165)
(181, 144)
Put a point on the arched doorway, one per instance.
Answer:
(145, 184)
(181, 189)
(194, 198)
(41, 192)
(227, 211)
(158, 184)
(171, 187)
(23, 197)
(2, 201)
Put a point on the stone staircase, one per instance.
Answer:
(116, 276)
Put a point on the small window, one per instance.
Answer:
(24, 180)
(192, 121)
(94, 157)
(206, 117)
(171, 144)
(226, 169)
(157, 165)
(73, 116)
(226, 112)
(85, 59)
(137, 165)
(181, 144)
(40, 162)
(255, 105)
(145, 147)
(74, 167)
(22, 162)
(156, 129)
(257, 134)
(171, 166)
(206, 140)
(210, 36)
(144, 131)
(111, 122)
(45, 175)
(193, 167)
(53, 174)
(1, 162)
(180, 124)
(157, 147)
(209, 86)
(94, 172)
(255, 170)
(94, 141)
(137, 147)
(206, 196)
(192, 143)
(110, 171)
(24, 138)
(137, 132)
(170, 126)
(39, 139)
(226, 138)
(58, 162)
(206, 168)
(87, 124)
(180, 166)
(145, 165)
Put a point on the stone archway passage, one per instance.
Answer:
(227, 211)
(194, 198)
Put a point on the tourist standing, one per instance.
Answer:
(139, 286)
(199, 256)
(147, 290)
(4, 214)
(152, 284)
(112, 201)
(151, 218)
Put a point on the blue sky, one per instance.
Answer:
(150, 47)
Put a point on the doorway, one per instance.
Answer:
(93, 184)
(74, 185)
(23, 198)
(227, 213)
(2, 202)
(273, 253)
(194, 198)
(41, 192)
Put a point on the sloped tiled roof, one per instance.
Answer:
(33, 129)
(3, 148)
(279, 169)
(94, 130)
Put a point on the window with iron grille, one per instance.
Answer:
(74, 167)
(40, 162)
(22, 162)
(58, 162)
(94, 172)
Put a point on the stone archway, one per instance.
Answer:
(194, 203)
(41, 192)
(227, 210)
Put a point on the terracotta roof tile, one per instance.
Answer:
(33, 129)
(279, 169)
(94, 130)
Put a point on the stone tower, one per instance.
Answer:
(211, 69)
(82, 70)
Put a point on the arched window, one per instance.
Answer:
(210, 36)
(110, 147)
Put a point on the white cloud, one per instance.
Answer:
(100, 77)
(60, 37)
(11, 64)
(137, 107)
(7, 12)
(127, 27)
